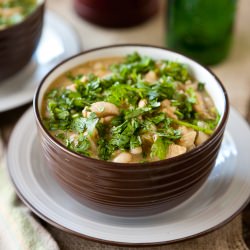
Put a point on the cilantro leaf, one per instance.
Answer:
(82, 146)
(201, 86)
(159, 148)
(136, 112)
(78, 124)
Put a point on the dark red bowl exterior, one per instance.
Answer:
(18, 43)
(136, 189)
(113, 13)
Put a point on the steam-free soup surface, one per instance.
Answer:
(132, 109)
(14, 11)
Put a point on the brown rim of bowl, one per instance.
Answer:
(132, 165)
(14, 26)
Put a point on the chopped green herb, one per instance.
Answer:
(159, 148)
(152, 113)
(201, 86)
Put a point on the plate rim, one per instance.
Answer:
(49, 14)
(112, 242)
(126, 244)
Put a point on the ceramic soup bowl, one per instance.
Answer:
(132, 189)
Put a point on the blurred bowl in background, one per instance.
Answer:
(19, 41)
(113, 13)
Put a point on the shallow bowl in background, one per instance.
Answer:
(18, 42)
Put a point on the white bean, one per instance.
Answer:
(201, 137)
(103, 109)
(174, 150)
(142, 103)
(151, 77)
(123, 157)
(84, 79)
(107, 119)
(187, 139)
(201, 107)
(136, 151)
(168, 109)
(165, 103)
(92, 138)
(71, 87)
(170, 112)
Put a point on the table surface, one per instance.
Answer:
(234, 72)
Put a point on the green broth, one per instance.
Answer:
(15, 11)
(132, 109)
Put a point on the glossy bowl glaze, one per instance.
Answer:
(18, 42)
(136, 189)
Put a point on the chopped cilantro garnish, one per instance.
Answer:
(167, 104)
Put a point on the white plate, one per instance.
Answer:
(58, 42)
(224, 194)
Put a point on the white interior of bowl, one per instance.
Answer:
(199, 72)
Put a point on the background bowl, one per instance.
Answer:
(132, 189)
(18, 42)
(113, 13)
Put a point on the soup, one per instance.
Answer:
(15, 11)
(132, 109)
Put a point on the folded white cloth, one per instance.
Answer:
(19, 230)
